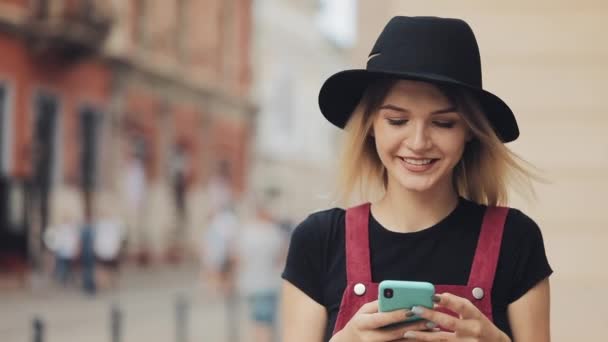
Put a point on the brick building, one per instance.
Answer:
(86, 87)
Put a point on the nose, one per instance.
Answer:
(419, 139)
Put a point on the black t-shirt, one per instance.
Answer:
(441, 254)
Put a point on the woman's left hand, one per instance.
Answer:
(471, 325)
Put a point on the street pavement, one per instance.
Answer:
(147, 302)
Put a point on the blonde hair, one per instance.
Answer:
(484, 174)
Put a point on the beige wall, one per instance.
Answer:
(294, 142)
(549, 61)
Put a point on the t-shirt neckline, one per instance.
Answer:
(443, 223)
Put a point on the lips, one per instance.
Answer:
(416, 161)
(418, 164)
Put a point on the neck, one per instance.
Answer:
(406, 211)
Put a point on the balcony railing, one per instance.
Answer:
(68, 26)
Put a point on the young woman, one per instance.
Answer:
(425, 150)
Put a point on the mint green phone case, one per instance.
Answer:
(405, 295)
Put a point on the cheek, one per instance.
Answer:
(457, 153)
(384, 152)
(380, 140)
(453, 147)
(381, 149)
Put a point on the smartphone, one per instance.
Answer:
(397, 294)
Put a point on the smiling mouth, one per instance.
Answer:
(418, 162)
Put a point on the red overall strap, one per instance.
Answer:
(358, 266)
(358, 269)
(484, 264)
(488, 248)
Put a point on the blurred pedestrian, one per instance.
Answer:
(62, 239)
(219, 189)
(108, 245)
(217, 244)
(181, 172)
(259, 256)
(217, 254)
(217, 250)
(218, 236)
(87, 254)
(134, 180)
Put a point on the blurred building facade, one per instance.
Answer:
(295, 146)
(133, 102)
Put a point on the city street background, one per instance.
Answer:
(150, 114)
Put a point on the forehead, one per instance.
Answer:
(416, 93)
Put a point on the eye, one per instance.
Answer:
(444, 124)
(396, 122)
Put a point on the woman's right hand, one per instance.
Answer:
(367, 325)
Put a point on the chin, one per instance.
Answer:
(414, 186)
(423, 183)
(417, 188)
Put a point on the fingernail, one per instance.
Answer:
(430, 325)
(409, 314)
(436, 299)
(417, 310)
(409, 334)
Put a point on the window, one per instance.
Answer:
(89, 150)
(46, 141)
(5, 129)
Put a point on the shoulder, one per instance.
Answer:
(516, 223)
(320, 224)
(327, 217)
(521, 226)
(522, 236)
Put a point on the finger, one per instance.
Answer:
(469, 328)
(397, 332)
(429, 336)
(382, 319)
(442, 319)
(459, 305)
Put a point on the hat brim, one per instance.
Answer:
(341, 93)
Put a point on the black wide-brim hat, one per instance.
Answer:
(436, 50)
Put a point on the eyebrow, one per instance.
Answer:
(404, 110)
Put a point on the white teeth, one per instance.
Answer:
(417, 161)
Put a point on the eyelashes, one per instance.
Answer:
(396, 122)
(441, 124)
(444, 124)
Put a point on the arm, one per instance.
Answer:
(304, 320)
(529, 315)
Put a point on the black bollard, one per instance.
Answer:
(181, 318)
(38, 326)
(116, 323)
